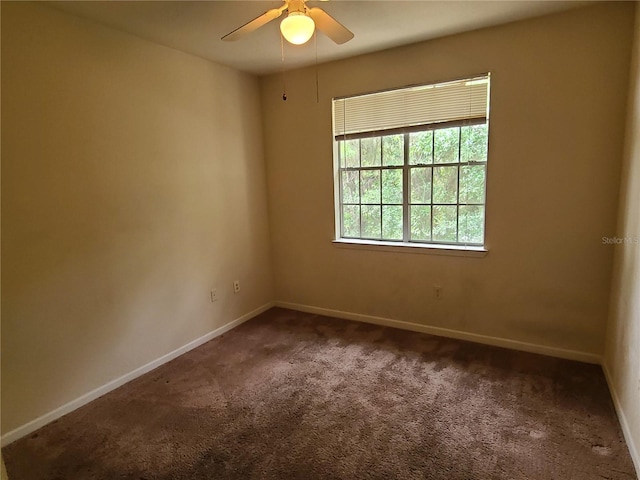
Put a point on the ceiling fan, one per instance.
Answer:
(298, 26)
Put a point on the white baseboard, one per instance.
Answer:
(445, 332)
(626, 431)
(41, 421)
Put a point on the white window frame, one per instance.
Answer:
(407, 244)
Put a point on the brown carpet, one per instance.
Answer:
(290, 395)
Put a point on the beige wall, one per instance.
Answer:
(3, 470)
(132, 184)
(557, 120)
(622, 358)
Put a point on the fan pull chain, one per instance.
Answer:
(284, 80)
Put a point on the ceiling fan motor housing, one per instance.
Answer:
(296, 6)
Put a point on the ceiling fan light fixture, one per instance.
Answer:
(297, 28)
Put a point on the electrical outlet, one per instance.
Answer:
(437, 291)
(214, 295)
(236, 286)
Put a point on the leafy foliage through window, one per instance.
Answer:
(423, 184)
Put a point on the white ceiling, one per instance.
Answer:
(197, 26)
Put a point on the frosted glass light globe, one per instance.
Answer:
(297, 28)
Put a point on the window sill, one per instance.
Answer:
(420, 248)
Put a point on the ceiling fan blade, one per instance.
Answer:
(254, 24)
(330, 26)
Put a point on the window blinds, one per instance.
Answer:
(455, 101)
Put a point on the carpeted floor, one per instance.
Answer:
(290, 395)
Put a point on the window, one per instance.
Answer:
(411, 164)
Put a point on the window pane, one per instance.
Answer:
(351, 221)
(371, 221)
(420, 185)
(445, 184)
(370, 152)
(393, 150)
(474, 143)
(420, 222)
(472, 181)
(392, 186)
(370, 186)
(471, 224)
(350, 187)
(350, 153)
(446, 143)
(444, 223)
(421, 148)
(392, 222)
